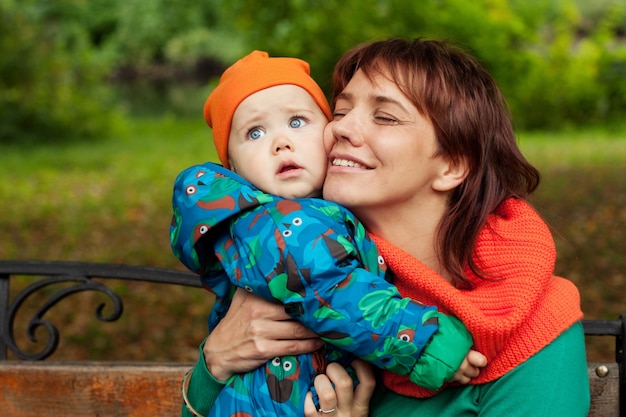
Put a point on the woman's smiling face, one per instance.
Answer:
(383, 149)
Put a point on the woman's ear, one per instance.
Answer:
(452, 174)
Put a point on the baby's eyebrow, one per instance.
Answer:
(252, 118)
(298, 109)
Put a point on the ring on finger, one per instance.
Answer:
(332, 410)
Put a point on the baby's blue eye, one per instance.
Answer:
(296, 122)
(255, 133)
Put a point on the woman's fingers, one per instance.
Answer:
(326, 395)
(309, 407)
(252, 332)
(336, 392)
(344, 388)
(365, 389)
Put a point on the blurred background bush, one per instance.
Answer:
(559, 62)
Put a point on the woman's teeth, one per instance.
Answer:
(346, 163)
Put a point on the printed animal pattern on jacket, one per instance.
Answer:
(312, 256)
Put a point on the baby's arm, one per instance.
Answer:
(470, 368)
(331, 279)
(447, 357)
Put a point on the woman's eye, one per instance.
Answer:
(386, 119)
(255, 133)
(339, 113)
(296, 122)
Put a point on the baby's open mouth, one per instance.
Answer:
(287, 168)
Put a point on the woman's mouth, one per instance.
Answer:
(337, 162)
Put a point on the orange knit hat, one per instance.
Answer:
(252, 73)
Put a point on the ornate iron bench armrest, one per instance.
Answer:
(79, 277)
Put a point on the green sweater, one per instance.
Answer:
(202, 389)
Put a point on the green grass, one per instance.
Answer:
(109, 201)
(79, 200)
(583, 198)
(570, 149)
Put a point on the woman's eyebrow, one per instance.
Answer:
(380, 99)
(374, 98)
(343, 96)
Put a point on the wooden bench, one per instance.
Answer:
(30, 386)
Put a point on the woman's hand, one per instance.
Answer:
(252, 332)
(343, 400)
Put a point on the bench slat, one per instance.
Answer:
(71, 389)
(77, 389)
(604, 390)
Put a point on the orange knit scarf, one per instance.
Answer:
(512, 315)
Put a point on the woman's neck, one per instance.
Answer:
(412, 228)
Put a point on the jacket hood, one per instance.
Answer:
(209, 195)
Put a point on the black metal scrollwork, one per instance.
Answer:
(79, 277)
(82, 283)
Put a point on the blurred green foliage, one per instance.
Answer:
(556, 65)
(51, 78)
(559, 62)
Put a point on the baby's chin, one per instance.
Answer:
(302, 193)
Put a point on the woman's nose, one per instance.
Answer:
(347, 128)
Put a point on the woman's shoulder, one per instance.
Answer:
(516, 220)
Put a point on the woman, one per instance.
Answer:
(424, 154)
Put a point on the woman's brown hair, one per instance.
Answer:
(472, 124)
